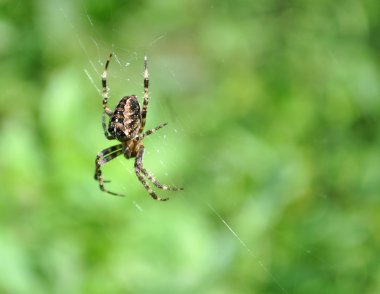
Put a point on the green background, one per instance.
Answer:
(273, 109)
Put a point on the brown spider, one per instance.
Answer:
(126, 124)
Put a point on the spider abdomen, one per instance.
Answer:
(125, 121)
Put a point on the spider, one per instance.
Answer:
(126, 124)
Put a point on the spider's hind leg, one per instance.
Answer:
(107, 110)
(144, 110)
(104, 87)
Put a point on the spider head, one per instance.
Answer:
(130, 148)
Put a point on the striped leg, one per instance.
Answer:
(104, 87)
(151, 131)
(104, 125)
(138, 170)
(101, 159)
(146, 95)
(157, 183)
(106, 111)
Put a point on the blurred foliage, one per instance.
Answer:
(273, 109)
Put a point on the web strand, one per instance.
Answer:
(264, 268)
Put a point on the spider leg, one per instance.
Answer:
(151, 131)
(104, 156)
(101, 159)
(146, 95)
(104, 87)
(138, 170)
(147, 174)
(104, 125)
(157, 183)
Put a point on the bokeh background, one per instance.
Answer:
(273, 109)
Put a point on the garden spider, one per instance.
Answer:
(126, 124)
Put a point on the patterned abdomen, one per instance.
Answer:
(126, 119)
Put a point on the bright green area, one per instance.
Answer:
(273, 109)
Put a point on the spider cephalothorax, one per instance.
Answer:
(126, 124)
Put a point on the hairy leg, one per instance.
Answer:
(101, 159)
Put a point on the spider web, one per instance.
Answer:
(124, 74)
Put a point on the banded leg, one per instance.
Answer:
(104, 125)
(103, 155)
(104, 87)
(146, 95)
(157, 183)
(101, 159)
(138, 170)
(151, 131)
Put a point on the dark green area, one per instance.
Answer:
(274, 131)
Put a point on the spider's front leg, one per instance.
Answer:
(157, 183)
(101, 159)
(139, 169)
